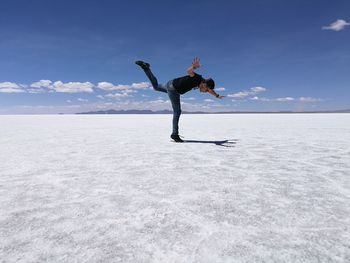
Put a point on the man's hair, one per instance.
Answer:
(210, 83)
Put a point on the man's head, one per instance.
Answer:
(206, 84)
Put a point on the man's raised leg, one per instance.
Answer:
(146, 68)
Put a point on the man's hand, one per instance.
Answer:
(196, 63)
(212, 92)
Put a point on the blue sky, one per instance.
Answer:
(73, 56)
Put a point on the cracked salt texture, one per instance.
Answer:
(114, 188)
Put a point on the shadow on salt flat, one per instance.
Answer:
(224, 143)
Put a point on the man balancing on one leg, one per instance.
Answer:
(179, 86)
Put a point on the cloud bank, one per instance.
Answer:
(288, 99)
(45, 85)
(109, 86)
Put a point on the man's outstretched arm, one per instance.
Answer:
(212, 92)
(195, 64)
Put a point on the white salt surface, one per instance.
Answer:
(114, 188)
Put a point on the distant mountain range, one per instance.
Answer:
(201, 112)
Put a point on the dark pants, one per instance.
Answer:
(174, 97)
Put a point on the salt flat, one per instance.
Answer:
(114, 188)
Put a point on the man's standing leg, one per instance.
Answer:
(174, 97)
(146, 68)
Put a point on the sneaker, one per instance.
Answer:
(142, 64)
(176, 138)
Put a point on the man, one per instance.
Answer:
(179, 86)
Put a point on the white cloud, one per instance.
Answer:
(285, 99)
(240, 94)
(109, 86)
(256, 90)
(159, 101)
(100, 97)
(338, 25)
(35, 90)
(73, 87)
(209, 100)
(116, 95)
(246, 93)
(190, 98)
(141, 85)
(82, 100)
(259, 99)
(310, 99)
(129, 91)
(44, 83)
(10, 87)
(69, 101)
